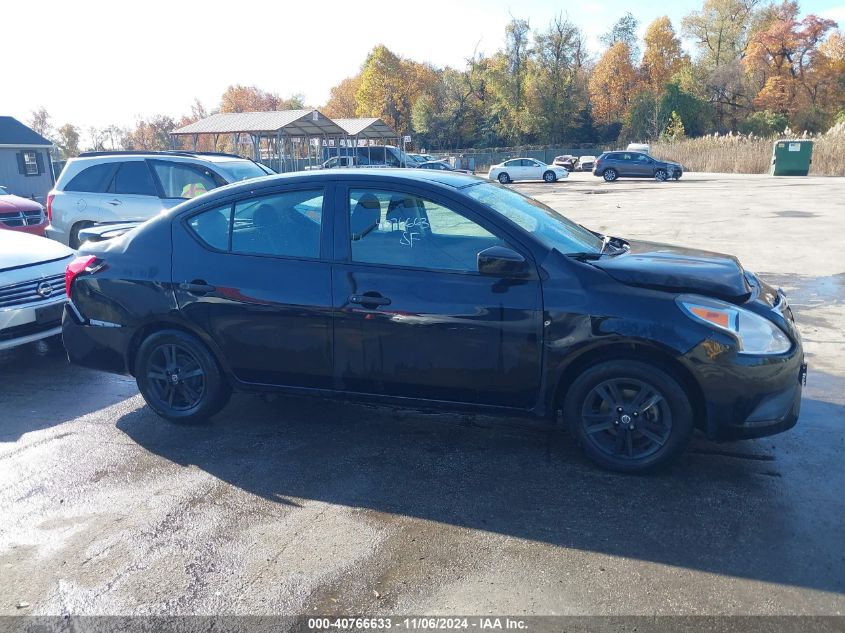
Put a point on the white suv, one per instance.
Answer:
(113, 187)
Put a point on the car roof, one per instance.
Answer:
(178, 156)
(383, 177)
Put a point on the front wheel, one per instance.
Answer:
(628, 416)
(504, 178)
(661, 175)
(549, 176)
(179, 378)
(610, 175)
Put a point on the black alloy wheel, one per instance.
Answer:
(549, 176)
(661, 175)
(610, 174)
(629, 416)
(504, 178)
(179, 378)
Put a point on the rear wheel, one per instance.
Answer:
(179, 378)
(661, 175)
(610, 175)
(73, 237)
(628, 416)
(504, 178)
(549, 176)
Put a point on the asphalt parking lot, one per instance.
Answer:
(298, 506)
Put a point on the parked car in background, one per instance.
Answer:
(336, 162)
(645, 148)
(32, 288)
(421, 288)
(21, 214)
(585, 163)
(526, 169)
(442, 165)
(110, 187)
(619, 164)
(567, 161)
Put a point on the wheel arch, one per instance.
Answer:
(636, 351)
(143, 332)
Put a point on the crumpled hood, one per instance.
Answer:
(678, 269)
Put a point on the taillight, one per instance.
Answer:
(50, 207)
(86, 263)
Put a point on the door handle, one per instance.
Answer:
(197, 287)
(115, 202)
(369, 301)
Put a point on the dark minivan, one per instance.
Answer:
(423, 288)
(627, 164)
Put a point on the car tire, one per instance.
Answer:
(661, 176)
(503, 178)
(549, 176)
(610, 175)
(73, 236)
(628, 416)
(200, 389)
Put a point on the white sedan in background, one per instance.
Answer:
(526, 169)
(32, 287)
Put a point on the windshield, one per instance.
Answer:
(4, 192)
(548, 226)
(237, 170)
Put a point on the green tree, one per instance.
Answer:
(624, 31)
(68, 140)
(558, 57)
(40, 122)
(675, 129)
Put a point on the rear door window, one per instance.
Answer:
(183, 180)
(284, 224)
(134, 178)
(94, 179)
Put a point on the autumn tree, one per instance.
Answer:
(786, 63)
(342, 101)
(238, 98)
(390, 86)
(612, 84)
(663, 57)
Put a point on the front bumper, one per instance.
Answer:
(747, 396)
(23, 324)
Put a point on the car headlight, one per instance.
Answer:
(754, 334)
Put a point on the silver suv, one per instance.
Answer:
(114, 187)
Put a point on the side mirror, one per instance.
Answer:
(500, 261)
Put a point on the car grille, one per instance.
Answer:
(27, 291)
(16, 219)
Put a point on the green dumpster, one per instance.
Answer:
(792, 158)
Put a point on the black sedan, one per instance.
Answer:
(429, 288)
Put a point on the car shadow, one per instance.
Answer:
(39, 389)
(768, 509)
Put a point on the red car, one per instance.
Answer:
(21, 214)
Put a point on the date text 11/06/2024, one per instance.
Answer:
(417, 623)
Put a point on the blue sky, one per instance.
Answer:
(97, 62)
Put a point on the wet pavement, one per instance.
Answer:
(289, 505)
